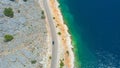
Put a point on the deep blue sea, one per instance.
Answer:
(95, 29)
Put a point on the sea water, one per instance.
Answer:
(95, 29)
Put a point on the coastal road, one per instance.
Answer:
(54, 61)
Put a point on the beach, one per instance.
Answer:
(64, 38)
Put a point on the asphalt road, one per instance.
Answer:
(54, 62)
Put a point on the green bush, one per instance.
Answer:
(59, 33)
(12, 0)
(43, 15)
(8, 12)
(42, 12)
(24, 0)
(67, 52)
(8, 37)
(53, 17)
(50, 57)
(61, 64)
(33, 61)
(18, 11)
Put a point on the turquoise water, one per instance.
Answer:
(94, 26)
(76, 39)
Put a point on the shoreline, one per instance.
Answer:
(66, 37)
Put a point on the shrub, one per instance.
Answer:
(25, 0)
(12, 0)
(8, 12)
(43, 15)
(53, 17)
(50, 57)
(59, 33)
(67, 52)
(18, 11)
(61, 64)
(8, 37)
(42, 12)
(33, 61)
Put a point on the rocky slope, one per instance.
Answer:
(29, 48)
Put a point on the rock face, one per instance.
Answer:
(29, 47)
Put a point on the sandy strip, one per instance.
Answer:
(65, 37)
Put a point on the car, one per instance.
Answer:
(53, 42)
